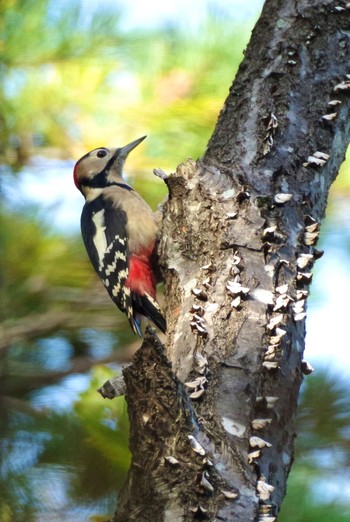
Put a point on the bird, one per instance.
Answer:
(119, 231)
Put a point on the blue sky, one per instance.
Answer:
(189, 13)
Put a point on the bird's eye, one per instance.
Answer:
(101, 153)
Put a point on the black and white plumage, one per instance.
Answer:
(120, 234)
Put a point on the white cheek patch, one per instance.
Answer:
(99, 239)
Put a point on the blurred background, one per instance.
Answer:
(75, 75)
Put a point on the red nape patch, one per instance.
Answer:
(75, 176)
(141, 278)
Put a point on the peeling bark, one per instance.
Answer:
(238, 244)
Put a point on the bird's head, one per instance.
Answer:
(102, 167)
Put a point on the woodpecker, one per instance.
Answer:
(120, 234)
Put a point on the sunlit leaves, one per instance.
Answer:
(73, 80)
(55, 60)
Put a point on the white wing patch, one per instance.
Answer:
(99, 239)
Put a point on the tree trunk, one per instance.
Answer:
(212, 433)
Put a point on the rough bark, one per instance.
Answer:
(238, 243)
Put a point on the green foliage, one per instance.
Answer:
(65, 68)
(54, 62)
(301, 505)
(98, 418)
(183, 80)
(34, 262)
(322, 446)
(324, 414)
(87, 452)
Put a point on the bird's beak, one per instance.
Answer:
(124, 151)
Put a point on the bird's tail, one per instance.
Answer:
(147, 306)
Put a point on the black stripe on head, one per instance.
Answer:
(100, 181)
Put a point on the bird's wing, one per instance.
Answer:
(107, 247)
